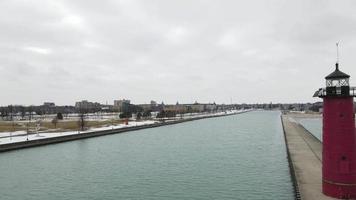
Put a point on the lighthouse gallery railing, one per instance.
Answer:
(336, 91)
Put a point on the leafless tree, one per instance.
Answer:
(81, 121)
(30, 110)
(11, 112)
(55, 121)
(23, 112)
(27, 130)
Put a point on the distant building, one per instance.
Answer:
(122, 105)
(152, 106)
(87, 106)
(49, 104)
(153, 103)
(210, 107)
(178, 108)
(196, 107)
(145, 107)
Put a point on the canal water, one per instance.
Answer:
(234, 157)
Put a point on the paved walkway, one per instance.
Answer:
(305, 151)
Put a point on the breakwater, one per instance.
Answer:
(292, 169)
(304, 152)
(66, 138)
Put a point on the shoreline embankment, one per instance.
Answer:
(72, 137)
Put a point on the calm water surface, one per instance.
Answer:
(314, 126)
(235, 157)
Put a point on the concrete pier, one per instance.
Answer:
(305, 152)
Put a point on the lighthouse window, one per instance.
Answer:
(338, 90)
(341, 115)
(343, 158)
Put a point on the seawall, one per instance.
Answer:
(304, 154)
(66, 138)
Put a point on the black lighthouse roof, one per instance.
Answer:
(337, 74)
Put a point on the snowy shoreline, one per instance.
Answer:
(8, 138)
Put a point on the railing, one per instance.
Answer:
(337, 91)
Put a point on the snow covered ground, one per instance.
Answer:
(20, 136)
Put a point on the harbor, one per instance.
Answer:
(303, 149)
(177, 100)
(230, 157)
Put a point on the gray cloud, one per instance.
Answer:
(250, 51)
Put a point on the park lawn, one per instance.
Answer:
(8, 126)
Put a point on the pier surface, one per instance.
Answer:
(306, 154)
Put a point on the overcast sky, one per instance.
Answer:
(182, 50)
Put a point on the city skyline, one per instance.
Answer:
(223, 52)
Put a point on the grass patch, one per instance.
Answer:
(8, 126)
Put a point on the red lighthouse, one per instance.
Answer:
(339, 139)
